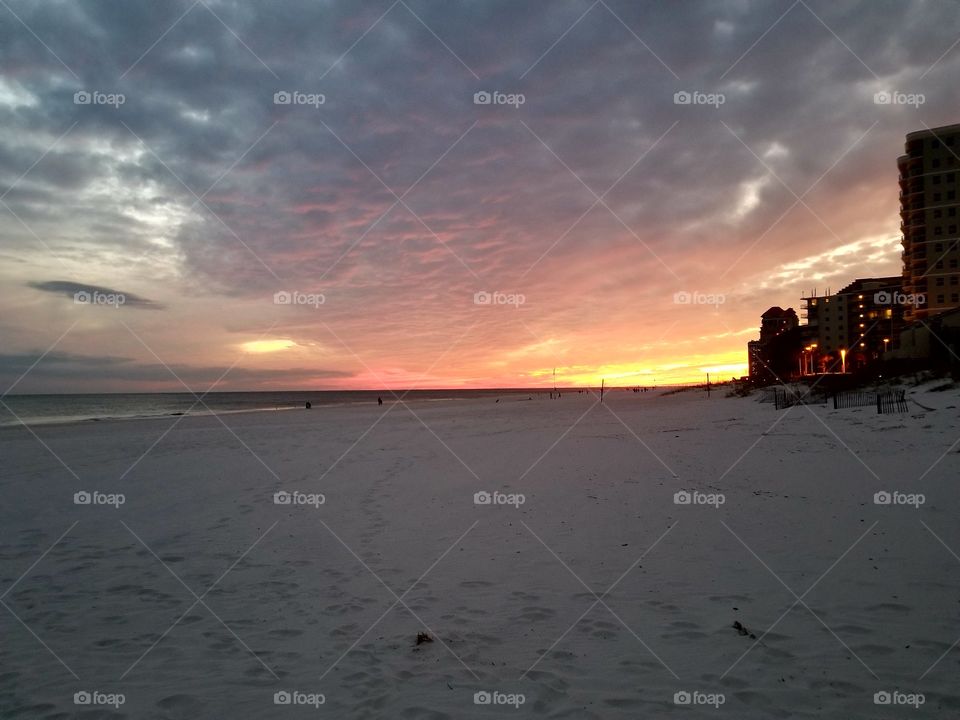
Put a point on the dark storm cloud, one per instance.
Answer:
(599, 98)
(72, 290)
(121, 372)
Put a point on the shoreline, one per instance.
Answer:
(108, 419)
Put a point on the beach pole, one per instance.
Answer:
(601, 391)
(708, 385)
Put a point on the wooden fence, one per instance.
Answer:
(783, 398)
(888, 401)
(894, 401)
(852, 399)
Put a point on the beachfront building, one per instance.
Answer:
(929, 188)
(853, 327)
(775, 356)
(755, 361)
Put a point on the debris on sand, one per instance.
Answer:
(423, 637)
(742, 630)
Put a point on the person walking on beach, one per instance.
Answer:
(379, 400)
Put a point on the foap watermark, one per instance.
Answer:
(295, 697)
(895, 497)
(885, 297)
(895, 697)
(482, 297)
(684, 497)
(95, 697)
(894, 97)
(295, 497)
(499, 98)
(696, 97)
(95, 297)
(295, 297)
(698, 298)
(96, 497)
(495, 697)
(696, 697)
(295, 97)
(95, 97)
(498, 498)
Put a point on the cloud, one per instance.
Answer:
(70, 289)
(60, 370)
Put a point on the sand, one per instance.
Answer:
(581, 590)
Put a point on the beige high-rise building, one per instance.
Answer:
(929, 189)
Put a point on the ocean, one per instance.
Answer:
(53, 409)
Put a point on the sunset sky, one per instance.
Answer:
(398, 198)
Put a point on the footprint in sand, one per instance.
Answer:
(875, 650)
(623, 702)
(748, 697)
(285, 633)
(852, 630)
(472, 584)
(890, 607)
(729, 598)
(684, 630)
(180, 706)
(837, 686)
(536, 614)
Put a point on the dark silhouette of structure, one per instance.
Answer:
(929, 189)
(775, 356)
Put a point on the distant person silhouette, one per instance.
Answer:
(308, 405)
(379, 400)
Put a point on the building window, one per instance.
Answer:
(935, 163)
(939, 282)
(938, 230)
(951, 177)
(937, 213)
(937, 197)
(936, 179)
(953, 280)
(953, 263)
(934, 144)
(952, 230)
(939, 246)
(939, 264)
(952, 212)
(954, 297)
(952, 195)
(940, 299)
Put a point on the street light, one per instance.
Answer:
(843, 361)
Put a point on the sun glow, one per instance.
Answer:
(267, 346)
(721, 366)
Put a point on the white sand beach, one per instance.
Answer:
(597, 597)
